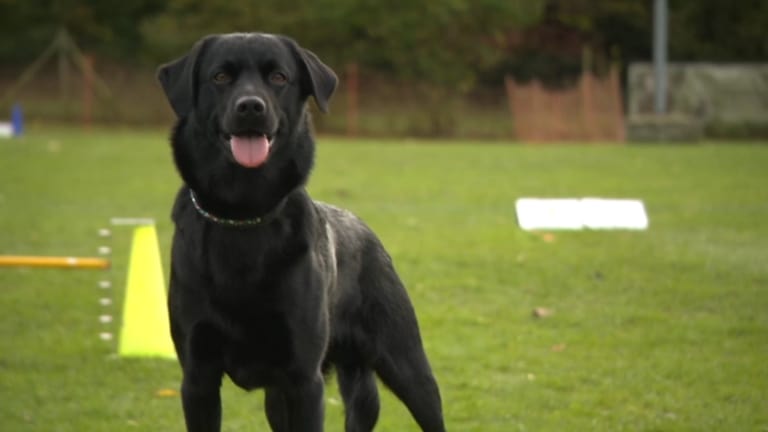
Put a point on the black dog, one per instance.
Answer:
(268, 286)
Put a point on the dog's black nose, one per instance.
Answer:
(250, 105)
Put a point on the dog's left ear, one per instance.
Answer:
(178, 79)
(319, 79)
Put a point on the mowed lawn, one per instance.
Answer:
(663, 330)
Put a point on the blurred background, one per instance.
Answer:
(532, 70)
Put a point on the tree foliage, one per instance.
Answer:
(699, 30)
(449, 42)
(716, 30)
(28, 26)
(445, 41)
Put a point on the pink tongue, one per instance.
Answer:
(249, 151)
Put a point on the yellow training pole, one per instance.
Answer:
(53, 262)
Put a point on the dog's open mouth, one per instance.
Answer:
(252, 150)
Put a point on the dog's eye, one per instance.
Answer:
(278, 78)
(222, 78)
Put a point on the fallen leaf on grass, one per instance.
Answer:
(167, 393)
(542, 312)
(558, 348)
(548, 237)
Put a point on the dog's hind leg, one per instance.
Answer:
(405, 370)
(361, 398)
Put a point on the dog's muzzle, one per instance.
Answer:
(250, 125)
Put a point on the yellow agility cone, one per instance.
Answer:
(146, 330)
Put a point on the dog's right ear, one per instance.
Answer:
(179, 79)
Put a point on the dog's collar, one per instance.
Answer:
(224, 221)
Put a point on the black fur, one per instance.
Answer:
(275, 303)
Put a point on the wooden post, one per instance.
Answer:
(536, 111)
(353, 90)
(545, 114)
(64, 74)
(587, 107)
(618, 104)
(87, 91)
(558, 129)
(585, 81)
(512, 95)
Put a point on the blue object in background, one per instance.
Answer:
(17, 120)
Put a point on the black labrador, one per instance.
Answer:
(267, 285)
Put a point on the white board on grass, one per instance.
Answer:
(581, 213)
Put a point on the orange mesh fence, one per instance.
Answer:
(591, 110)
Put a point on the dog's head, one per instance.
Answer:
(248, 90)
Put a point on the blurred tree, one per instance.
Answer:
(443, 42)
(700, 30)
(570, 36)
(715, 30)
(623, 28)
(446, 42)
(104, 26)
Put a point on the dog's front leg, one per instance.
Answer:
(201, 385)
(297, 407)
(201, 400)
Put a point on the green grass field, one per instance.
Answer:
(661, 330)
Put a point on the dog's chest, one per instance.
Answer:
(238, 256)
(248, 263)
(261, 356)
(250, 295)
